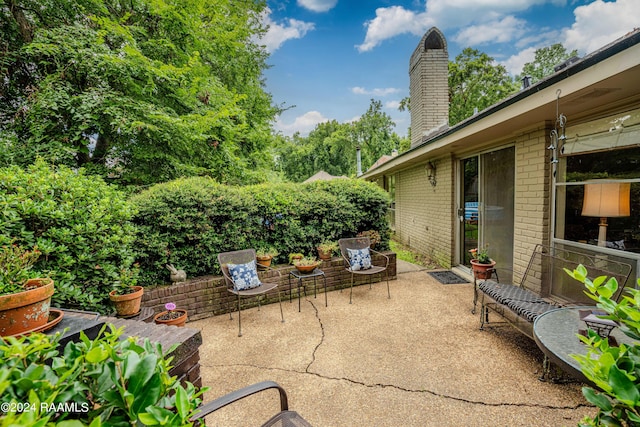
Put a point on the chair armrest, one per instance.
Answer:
(234, 396)
(381, 254)
(347, 261)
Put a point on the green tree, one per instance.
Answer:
(545, 60)
(328, 147)
(139, 91)
(373, 132)
(475, 83)
(331, 146)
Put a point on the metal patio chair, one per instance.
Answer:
(350, 249)
(284, 418)
(243, 259)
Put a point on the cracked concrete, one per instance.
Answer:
(417, 359)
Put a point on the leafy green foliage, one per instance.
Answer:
(110, 381)
(16, 268)
(187, 222)
(545, 60)
(80, 225)
(614, 370)
(138, 92)
(476, 82)
(331, 146)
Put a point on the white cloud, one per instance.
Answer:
(279, 33)
(395, 20)
(392, 105)
(599, 23)
(390, 22)
(318, 5)
(303, 124)
(500, 31)
(375, 92)
(515, 63)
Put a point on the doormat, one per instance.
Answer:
(447, 277)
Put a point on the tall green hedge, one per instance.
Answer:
(80, 224)
(187, 222)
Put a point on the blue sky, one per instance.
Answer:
(329, 58)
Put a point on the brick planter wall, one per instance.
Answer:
(207, 296)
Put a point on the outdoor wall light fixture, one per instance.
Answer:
(431, 172)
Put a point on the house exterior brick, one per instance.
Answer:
(604, 85)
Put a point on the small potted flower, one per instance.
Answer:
(265, 255)
(482, 264)
(172, 316)
(295, 257)
(126, 296)
(326, 249)
(25, 297)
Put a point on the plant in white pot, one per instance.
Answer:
(25, 297)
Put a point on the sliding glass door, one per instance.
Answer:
(487, 207)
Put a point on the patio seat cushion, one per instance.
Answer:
(359, 259)
(530, 310)
(244, 276)
(521, 301)
(504, 292)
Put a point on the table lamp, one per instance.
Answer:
(606, 200)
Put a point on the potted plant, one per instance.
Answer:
(24, 298)
(306, 264)
(326, 249)
(126, 295)
(481, 263)
(373, 235)
(172, 316)
(265, 255)
(294, 257)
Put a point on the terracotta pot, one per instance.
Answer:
(24, 311)
(264, 261)
(306, 268)
(177, 321)
(128, 304)
(324, 255)
(482, 271)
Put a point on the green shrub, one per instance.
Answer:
(108, 381)
(615, 370)
(187, 222)
(370, 202)
(80, 225)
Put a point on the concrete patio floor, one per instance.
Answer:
(417, 359)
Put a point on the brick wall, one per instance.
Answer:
(425, 217)
(532, 199)
(424, 213)
(207, 296)
(428, 88)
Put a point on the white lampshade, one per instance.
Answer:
(606, 199)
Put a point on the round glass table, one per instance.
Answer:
(556, 333)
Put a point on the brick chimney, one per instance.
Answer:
(429, 86)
